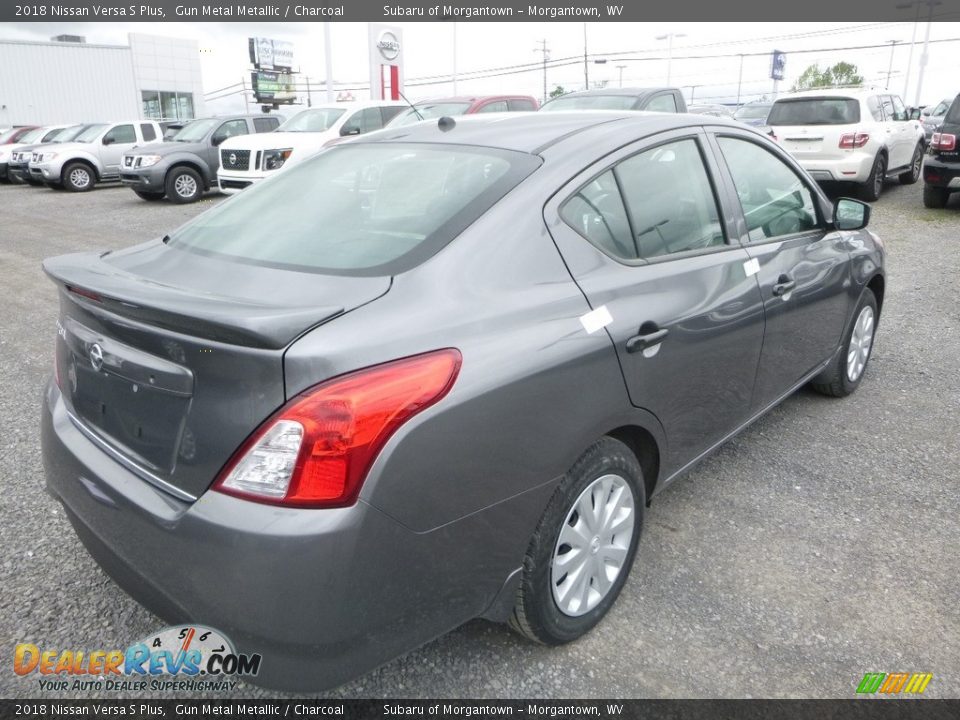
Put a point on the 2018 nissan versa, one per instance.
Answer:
(438, 373)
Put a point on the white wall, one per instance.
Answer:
(48, 83)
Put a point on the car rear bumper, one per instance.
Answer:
(940, 173)
(322, 595)
(151, 180)
(855, 167)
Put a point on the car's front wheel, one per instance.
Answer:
(184, 185)
(581, 552)
(78, 177)
(871, 189)
(935, 197)
(916, 163)
(845, 374)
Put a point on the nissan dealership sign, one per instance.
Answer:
(386, 61)
(388, 45)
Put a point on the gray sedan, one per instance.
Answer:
(437, 373)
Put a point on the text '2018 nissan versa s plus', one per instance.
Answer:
(438, 373)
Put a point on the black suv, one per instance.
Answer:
(941, 168)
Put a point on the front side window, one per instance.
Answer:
(662, 103)
(521, 105)
(899, 111)
(886, 103)
(121, 134)
(775, 201)
(873, 105)
(358, 209)
(229, 129)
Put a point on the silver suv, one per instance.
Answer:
(93, 156)
(850, 135)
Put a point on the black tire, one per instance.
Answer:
(536, 614)
(55, 186)
(79, 177)
(152, 196)
(184, 185)
(935, 197)
(916, 163)
(34, 182)
(835, 381)
(871, 189)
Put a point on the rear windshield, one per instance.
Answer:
(953, 114)
(358, 209)
(312, 120)
(815, 111)
(592, 102)
(752, 112)
(428, 111)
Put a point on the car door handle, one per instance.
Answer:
(784, 284)
(642, 342)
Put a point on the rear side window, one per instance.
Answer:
(359, 209)
(521, 105)
(953, 114)
(815, 111)
(597, 213)
(873, 105)
(662, 103)
(775, 201)
(146, 129)
(498, 106)
(261, 125)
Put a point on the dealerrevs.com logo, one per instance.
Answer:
(191, 657)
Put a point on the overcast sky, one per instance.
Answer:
(429, 51)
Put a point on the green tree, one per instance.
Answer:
(557, 91)
(842, 73)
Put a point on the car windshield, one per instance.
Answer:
(7, 134)
(32, 136)
(69, 134)
(196, 130)
(90, 134)
(592, 102)
(752, 112)
(358, 209)
(953, 114)
(317, 120)
(940, 109)
(815, 111)
(428, 111)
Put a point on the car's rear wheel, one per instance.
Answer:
(935, 197)
(149, 195)
(845, 374)
(581, 552)
(916, 163)
(871, 189)
(78, 177)
(184, 185)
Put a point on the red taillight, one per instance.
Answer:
(317, 449)
(849, 141)
(82, 292)
(943, 141)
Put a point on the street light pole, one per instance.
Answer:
(669, 38)
(586, 74)
(740, 80)
(546, 56)
(328, 62)
(913, 40)
(621, 68)
(926, 45)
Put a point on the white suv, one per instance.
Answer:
(247, 159)
(850, 135)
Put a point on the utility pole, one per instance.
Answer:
(309, 97)
(740, 80)
(693, 90)
(913, 40)
(893, 45)
(621, 68)
(246, 100)
(586, 73)
(454, 58)
(546, 56)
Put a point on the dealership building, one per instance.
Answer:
(70, 80)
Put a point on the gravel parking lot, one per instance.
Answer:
(822, 543)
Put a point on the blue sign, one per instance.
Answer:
(778, 65)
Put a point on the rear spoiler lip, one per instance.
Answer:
(212, 317)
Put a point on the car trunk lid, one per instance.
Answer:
(168, 359)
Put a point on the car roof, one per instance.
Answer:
(472, 98)
(353, 105)
(629, 92)
(534, 132)
(850, 92)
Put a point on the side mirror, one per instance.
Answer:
(849, 214)
(915, 113)
(107, 140)
(349, 130)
